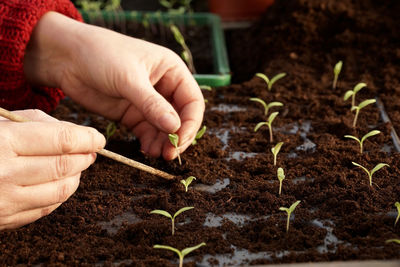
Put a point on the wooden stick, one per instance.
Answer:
(106, 153)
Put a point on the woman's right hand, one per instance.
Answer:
(40, 165)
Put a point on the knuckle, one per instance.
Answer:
(66, 139)
(63, 193)
(63, 166)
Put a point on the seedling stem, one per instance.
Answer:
(281, 177)
(275, 150)
(397, 204)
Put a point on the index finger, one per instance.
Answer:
(185, 95)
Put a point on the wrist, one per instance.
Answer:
(50, 50)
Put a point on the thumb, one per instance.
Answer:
(154, 107)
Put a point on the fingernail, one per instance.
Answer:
(169, 123)
(99, 139)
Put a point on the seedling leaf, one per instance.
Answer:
(110, 130)
(188, 250)
(272, 117)
(366, 103)
(168, 248)
(294, 205)
(259, 125)
(358, 87)
(348, 94)
(276, 78)
(205, 87)
(263, 76)
(397, 204)
(187, 182)
(371, 133)
(182, 210)
(397, 241)
(199, 135)
(378, 167)
(177, 35)
(353, 137)
(336, 72)
(162, 212)
(275, 150)
(259, 100)
(174, 139)
(281, 177)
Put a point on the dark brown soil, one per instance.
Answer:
(340, 217)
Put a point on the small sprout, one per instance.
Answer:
(275, 150)
(271, 118)
(352, 93)
(174, 139)
(281, 177)
(272, 81)
(186, 54)
(336, 72)
(199, 135)
(370, 173)
(206, 87)
(359, 107)
(187, 182)
(167, 214)
(397, 204)
(397, 241)
(182, 253)
(265, 105)
(110, 130)
(371, 133)
(289, 212)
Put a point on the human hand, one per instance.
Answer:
(145, 86)
(40, 165)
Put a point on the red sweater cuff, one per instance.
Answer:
(17, 21)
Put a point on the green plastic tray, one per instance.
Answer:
(221, 75)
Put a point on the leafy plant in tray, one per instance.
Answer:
(182, 253)
(275, 150)
(271, 118)
(186, 54)
(370, 173)
(168, 215)
(271, 81)
(336, 71)
(265, 105)
(371, 133)
(359, 107)
(186, 182)
(174, 139)
(289, 211)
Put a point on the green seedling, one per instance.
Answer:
(397, 204)
(90, 6)
(110, 130)
(187, 182)
(336, 71)
(360, 107)
(174, 139)
(168, 215)
(186, 54)
(352, 93)
(181, 254)
(289, 211)
(275, 150)
(397, 241)
(199, 135)
(272, 81)
(281, 177)
(371, 133)
(271, 118)
(370, 173)
(265, 105)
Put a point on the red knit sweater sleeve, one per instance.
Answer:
(17, 20)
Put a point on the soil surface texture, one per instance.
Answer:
(235, 197)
